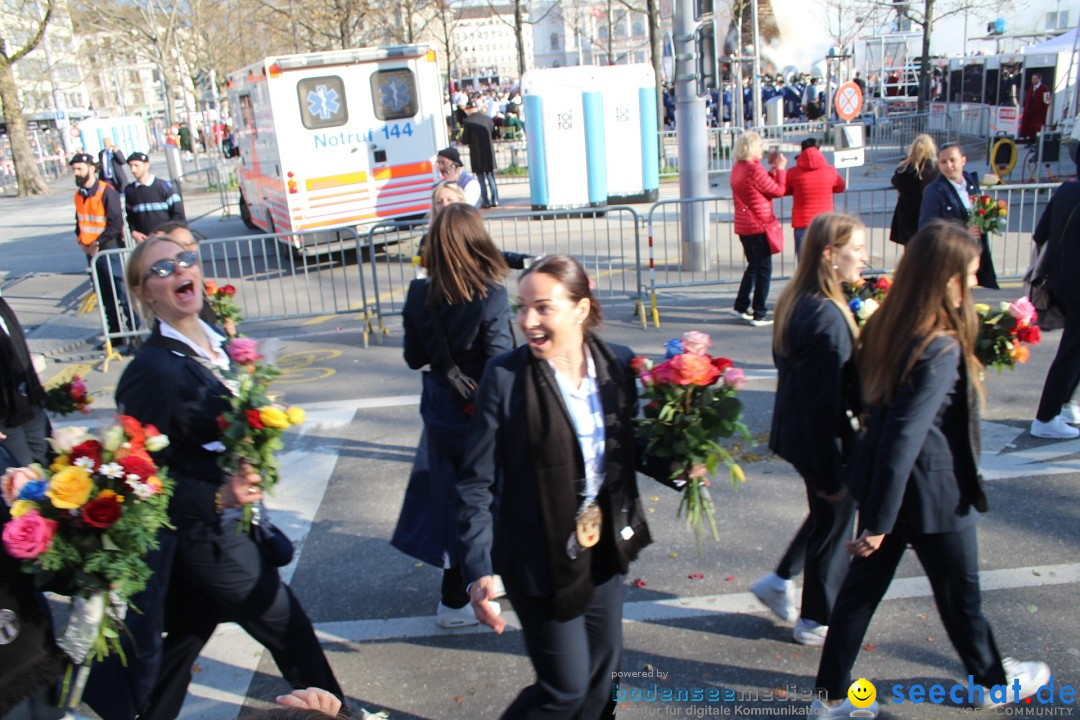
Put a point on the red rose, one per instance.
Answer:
(102, 512)
(89, 449)
(228, 290)
(133, 429)
(222, 423)
(254, 420)
(721, 364)
(137, 465)
(883, 283)
(691, 369)
(1031, 334)
(639, 364)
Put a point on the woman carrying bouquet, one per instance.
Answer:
(210, 568)
(914, 473)
(813, 341)
(549, 496)
(459, 314)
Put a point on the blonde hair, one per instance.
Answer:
(748, 146)
(455, 189)
(922, 154)
(814, 274)
(135, 273)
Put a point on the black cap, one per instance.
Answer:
(141, 157)
(451, 154)
(83, 158)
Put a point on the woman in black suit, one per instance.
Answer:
(914, 473)
(459, 314)
(948, 197)
(549, 495)
(813, 340)
(208, 569)
(911, 177)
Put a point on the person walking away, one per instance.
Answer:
(813, 341)
(1058, 233)
(457, 317)
(150, 200)
(910, 179)
(99, 225)
(915, 471)
(949, 197)
(477, 132)
(753, 190)
(812, 184)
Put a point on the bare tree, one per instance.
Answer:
(522, 17)
(28, 176)
(326, 24)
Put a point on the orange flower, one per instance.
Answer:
(1020, 353)
(211, 287)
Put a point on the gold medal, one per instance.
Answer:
(588, 524)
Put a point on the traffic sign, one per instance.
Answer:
(848, 101)
(60, 115)
(849, 158)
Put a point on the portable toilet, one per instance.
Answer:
(630, 132)
(564, 126)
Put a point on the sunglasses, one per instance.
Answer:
(166, 267)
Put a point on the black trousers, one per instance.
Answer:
(951, 562)
(821, 541)
(794, 559)
(221, 576)
(986, 276)
(756, 276)
(1063, 377)
(574, 659)
(28, 443)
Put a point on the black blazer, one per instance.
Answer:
(940, 200)
(916, 466)
(501, 524)
(909, 191)
(163, 385)
(810, 426)
(1066, 267)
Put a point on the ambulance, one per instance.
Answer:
(335, 140)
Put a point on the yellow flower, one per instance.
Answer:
(982, 308)
(106, 494)
(738, 474)
(61, 462)
(21, 507)
(70, 488)
(273, 417)
(295, 415)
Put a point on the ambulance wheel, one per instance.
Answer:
(245, 214)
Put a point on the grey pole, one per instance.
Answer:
(756, 81)
(692, 142)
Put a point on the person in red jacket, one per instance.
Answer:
(812, 183)
(1036, 104)
(753, 190)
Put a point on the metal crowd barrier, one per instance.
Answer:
(721, 150)
(511, 161)
(208, 190)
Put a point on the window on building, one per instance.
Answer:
(1057, 20)
(602, 32)
(638, 29)
(554, 41)
(639, 57)
(620, 30)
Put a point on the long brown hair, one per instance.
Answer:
(814, 274)
(919, 310)
(460, 257)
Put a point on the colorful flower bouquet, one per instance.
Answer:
(84, 526)
(252, 429)
(866, 296)
(988, 214)
(690, 404)
(224, 306)
(67, 398)
(1004, 334)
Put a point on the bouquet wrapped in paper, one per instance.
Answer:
(690, 404)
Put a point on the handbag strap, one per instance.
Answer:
(443, 354)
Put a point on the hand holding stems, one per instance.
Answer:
(243, 487)
(865, 545)
(480, 592)
(312, 699)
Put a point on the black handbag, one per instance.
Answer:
(273, 543)
(1037, 281)
(461, 385)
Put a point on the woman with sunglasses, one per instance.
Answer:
(210, 570)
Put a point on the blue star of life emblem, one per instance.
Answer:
(395, 95)
(323, 102)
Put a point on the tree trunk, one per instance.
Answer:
(656, 54)
(924, 61)
(519, 32)
(27, 174)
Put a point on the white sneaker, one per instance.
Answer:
(777, 594)
(1056, 429)
(1070, 413)
(820, 710)
(742, 315)
(762, 322)
(808, 632)
(446, 617)
(1031, 675)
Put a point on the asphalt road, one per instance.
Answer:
(691, 620)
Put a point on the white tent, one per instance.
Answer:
(1066, 42)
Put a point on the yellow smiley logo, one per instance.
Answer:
(862, 693)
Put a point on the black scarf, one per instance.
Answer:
(20, 389)
(552, 434)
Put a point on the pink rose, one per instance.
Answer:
(13, 481)
(735, 378)
(1023, 310)
(243, 350)
(696, 343)
(29, 535)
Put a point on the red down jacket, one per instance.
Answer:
(753, 190)
(812, 181)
